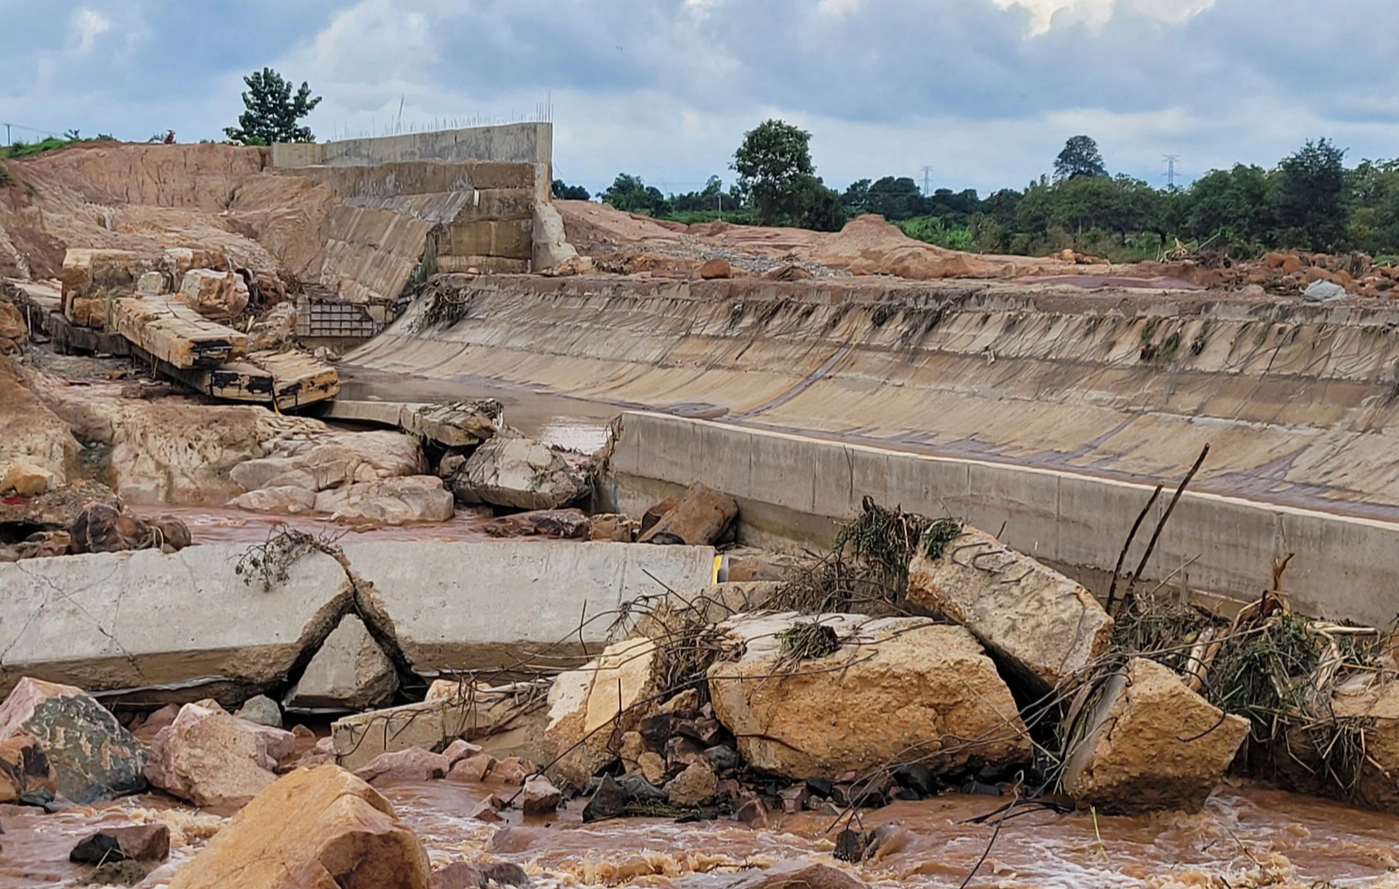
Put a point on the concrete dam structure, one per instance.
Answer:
(1051, 411)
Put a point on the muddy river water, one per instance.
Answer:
(1247, 836)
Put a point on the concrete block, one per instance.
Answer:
(130, 620)
(513, 239)
(467, 606)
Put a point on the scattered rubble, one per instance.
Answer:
(413, 764)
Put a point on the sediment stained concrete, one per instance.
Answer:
(187, 625)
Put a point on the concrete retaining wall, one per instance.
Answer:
(793, 490)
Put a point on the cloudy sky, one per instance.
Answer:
(983, 91)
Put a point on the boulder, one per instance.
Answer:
(458, 875)
(12, 326)
(27, 480)
(591, 708)
(100, 528)
(333, 460)
(413, 764)
(211, 758)
(58, 508)
(715, 268)
(472, 769)
(892, 689)
(794, 874)
(93, 272)
(616, 528)
(394, 501)
(281, 501)
(140, 842)
(560, 524)
(457, 424)
(1045, 626)
(261, 710)
(700, 518)
(218, 295)
(349, 672)
(1150, 743)
(695, 786)
(540, 797)
(519, 473)
(92, 756)
(170, 532)
(25, 769)
(1323, 291)
(313, 828)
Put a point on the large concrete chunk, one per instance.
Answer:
(465, 606)
(313, 828)
(349, 672)
(699, 518)
(474, 714)
(131, 620)
(591, 708)
(393, 501)
(214, 294)
(895, 689)
(176, 333)
(519, 473)
(1046, 626)
(1151, 743)
(93, 757)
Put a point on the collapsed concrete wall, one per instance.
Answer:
(794, 490)
(190, 625)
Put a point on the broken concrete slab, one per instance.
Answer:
(1045, 627)
(315, 827)
(332, 461)
(433, 725)
(349, 672)
(522, 595)
(894, 689)
(519, 473)
(133, 620)
(93, 757)
(591, 708)
(1150, 743)
(453, 425)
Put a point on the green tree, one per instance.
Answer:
(565, 192)
(1234, 206)
(631, 195)
(1080, 157)
(272, 111)
(1310, 201)
(896, 199)
(857, 197)
(819, 208)
(774, 169)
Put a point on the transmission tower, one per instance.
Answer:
(1171, 169)
(927, 179)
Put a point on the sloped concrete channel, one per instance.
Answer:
(188, 626)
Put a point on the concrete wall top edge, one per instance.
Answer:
(530, 143)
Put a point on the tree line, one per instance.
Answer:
(1309, 201)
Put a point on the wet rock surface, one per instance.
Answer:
(211, 758)
(349, 671)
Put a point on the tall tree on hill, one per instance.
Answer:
(1311, 200)
(1080, 157)
(272, 111)
(773, 165)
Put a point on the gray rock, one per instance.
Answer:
(1323, 291)
(519, 473)
(349, 672)
(261, 710)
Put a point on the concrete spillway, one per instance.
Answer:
(1115, 388)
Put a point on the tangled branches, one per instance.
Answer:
(269, 563)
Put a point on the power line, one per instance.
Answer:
(1171, 169)
(927, 177)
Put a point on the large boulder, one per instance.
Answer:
(1043, 625)
(280, 500)
(349, 672)
(394, 501)
(699, 518)
(313, 829)
(519, 473)
(457, 424)
(878, 691)
(1150, 743)
(211, 758)
(334, 460)
(93, 757)
(27, 480)
(591, 708)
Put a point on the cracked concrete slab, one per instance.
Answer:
(186, 621)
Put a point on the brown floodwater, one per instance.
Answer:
(1246, 836)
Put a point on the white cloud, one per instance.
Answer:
(1047, 14)
(85, 27)
(838, 8)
